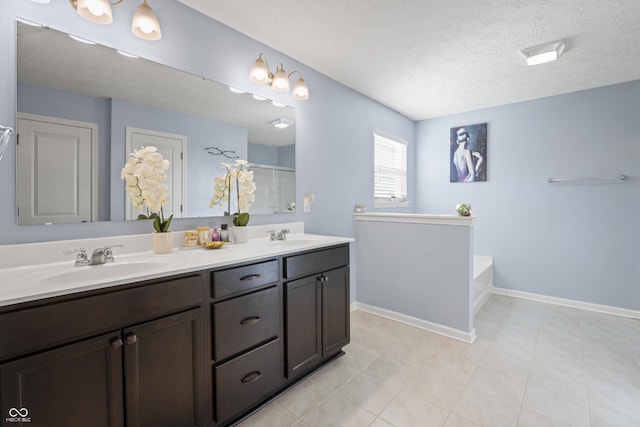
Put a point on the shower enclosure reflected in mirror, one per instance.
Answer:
(81, 108)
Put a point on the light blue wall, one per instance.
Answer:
(334, 127)
(418, 270)
(263, 154)
(578, 241)
(284, 156)
(287, 156)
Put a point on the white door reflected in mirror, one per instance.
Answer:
(57, 170)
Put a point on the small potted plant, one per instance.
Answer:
(145, 175)
(237, 178)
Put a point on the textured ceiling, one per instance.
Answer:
(429, 58)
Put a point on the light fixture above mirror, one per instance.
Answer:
(279, 81)
(144, 24)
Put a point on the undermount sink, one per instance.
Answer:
(101, 271)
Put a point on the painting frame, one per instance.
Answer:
(468, 153)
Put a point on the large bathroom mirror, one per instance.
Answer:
(83, 107)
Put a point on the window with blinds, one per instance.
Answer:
(390, 170)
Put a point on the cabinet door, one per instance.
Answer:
(335, 310)
(76, 385)
(302, 325)
(163, 371)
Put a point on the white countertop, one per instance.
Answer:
(37, 281)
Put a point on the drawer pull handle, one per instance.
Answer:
(250, 277)
(116, 343)
(250, 320)
(251, 377)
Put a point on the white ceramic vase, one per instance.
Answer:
(240, 235)
(162, 242)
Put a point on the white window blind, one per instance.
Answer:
(390, 170)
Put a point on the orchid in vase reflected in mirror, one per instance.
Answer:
(145, 175)
(238, 178)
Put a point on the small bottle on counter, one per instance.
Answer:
(203, 235)
(190, 239)
(224, 232)
(215, 235)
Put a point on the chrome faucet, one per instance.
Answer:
(81, 258)
(103, 255)
(99, 256)
(279, 235)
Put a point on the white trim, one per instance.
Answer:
(599, 308)
(386, 203)
(465, 221)
(456, 334)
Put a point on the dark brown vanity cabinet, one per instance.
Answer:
(78, 384)
(132, 357)
(246, 316)
(197, 349)
(316, 298)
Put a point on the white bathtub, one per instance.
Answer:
(482, 281)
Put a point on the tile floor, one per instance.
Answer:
(533, 364)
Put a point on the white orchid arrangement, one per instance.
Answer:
(145, 175)
(238, 176)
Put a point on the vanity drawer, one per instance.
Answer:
(245, 380)
(240, 279)
(246, 321)
(316, 262)
(58, 323)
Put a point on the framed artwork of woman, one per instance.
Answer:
(468, 160)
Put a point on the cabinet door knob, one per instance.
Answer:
(250, 277)
(116, 343)
(250, 320)
(132, 339)
(251, 377)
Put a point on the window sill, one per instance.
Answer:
(389, 204)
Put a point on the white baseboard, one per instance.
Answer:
(467, 337)
(616, 311)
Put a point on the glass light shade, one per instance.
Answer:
(145, 24)
(96, 11)
(543, 53)
(300, 90)
(259, 72)
(280, 81)
(541, 58)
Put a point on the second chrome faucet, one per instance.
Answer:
(278, 235)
